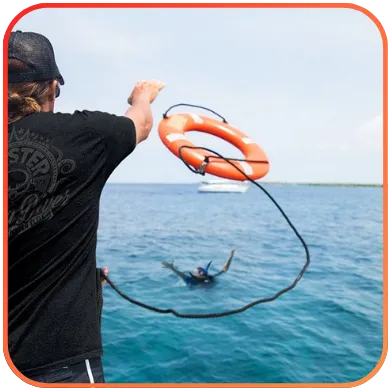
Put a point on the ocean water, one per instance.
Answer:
(328, 329)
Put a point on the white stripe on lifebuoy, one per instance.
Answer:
(247, 140)
(247, 168)
(196, 118)
(175, 136)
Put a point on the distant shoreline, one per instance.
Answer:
(263, 183)
(327, 184)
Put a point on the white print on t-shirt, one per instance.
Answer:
(35, 169)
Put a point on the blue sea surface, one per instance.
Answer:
(328, 329)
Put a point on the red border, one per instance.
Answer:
(195, 5)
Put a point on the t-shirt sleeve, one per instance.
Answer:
(118, 134)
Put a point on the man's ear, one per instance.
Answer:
(53, 90)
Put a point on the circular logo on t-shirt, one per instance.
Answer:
(35, 169)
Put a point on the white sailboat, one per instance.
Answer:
(223, 186)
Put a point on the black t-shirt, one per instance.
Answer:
(58, 165)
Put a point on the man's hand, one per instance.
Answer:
(105, 271)
(145, 91)
(168, 265)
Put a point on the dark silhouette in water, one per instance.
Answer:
(200, 275)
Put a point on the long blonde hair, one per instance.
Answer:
(28, 97)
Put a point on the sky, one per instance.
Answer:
(305, 84)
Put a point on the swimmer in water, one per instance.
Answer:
(200, 275)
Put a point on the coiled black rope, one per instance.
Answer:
(252, 304)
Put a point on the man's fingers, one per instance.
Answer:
(160, 85)
(105, 271)
(152, 88)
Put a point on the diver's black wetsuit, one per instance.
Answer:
(192, 280)
(202, 276)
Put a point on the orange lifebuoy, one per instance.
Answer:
(172, 132)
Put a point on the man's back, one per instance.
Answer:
(58, 165)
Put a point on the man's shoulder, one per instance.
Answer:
(96, 119)
(76, 114)
(82, 116)
(77, 119)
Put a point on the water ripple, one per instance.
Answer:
(328, 329)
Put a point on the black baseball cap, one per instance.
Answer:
(36, 51)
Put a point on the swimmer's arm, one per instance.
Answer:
(179, 273)
(227, 264)
(173, 269)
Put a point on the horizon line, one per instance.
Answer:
(264, 182)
